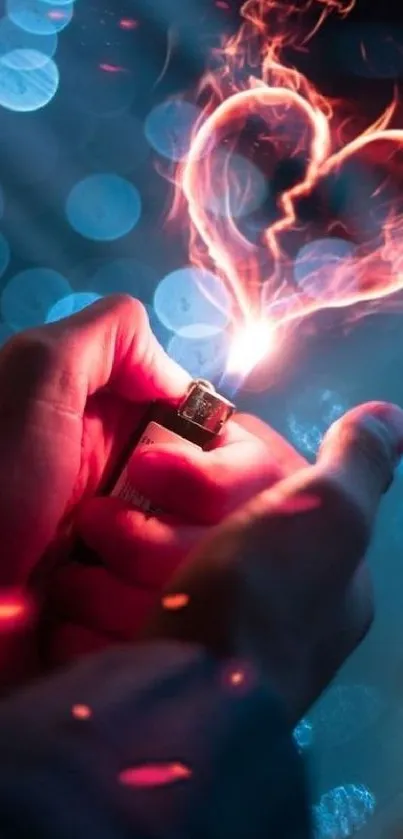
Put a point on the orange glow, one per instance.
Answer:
(251, 85)
(14, 610)
(10, 611)
(239, 676)
(175, 601)
(81, 712)
(154, 774)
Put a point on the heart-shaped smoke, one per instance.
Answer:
(317, 185)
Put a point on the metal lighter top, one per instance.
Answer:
(205, 407)
(199, 417)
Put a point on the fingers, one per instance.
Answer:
(107, 344)
(140, 550)
(360, 452)
(94, 598)
(204, 487)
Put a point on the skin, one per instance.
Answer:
(82, 385)
(282, 583)
(140, 554)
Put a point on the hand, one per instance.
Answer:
(70, 394)
(280, 585)
(96, 607)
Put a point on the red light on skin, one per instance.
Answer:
(128, 23)
(81, 712)
(14, 611)
(296, 504)
(221, 4)
(112, 68)
(154, 775)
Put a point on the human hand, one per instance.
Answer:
(280, 586)
(83, 385)
(94, 607)
(71, 393)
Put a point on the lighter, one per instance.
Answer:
(197, 421)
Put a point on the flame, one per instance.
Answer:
(250, 345)
(255, 103)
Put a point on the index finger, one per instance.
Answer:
(109, 343)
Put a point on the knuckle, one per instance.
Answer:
(31, 352)
(123, 302)
(43, 364)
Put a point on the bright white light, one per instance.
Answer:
(250, 346)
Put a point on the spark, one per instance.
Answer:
(237, 678)
(81, 712)
(252, 343)
(128, 23)
(112, 68)
(56, 14)
(173, 602)
(154, 775)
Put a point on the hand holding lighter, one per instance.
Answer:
(197, 421)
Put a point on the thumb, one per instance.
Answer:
(296, 547)
(361, 451)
